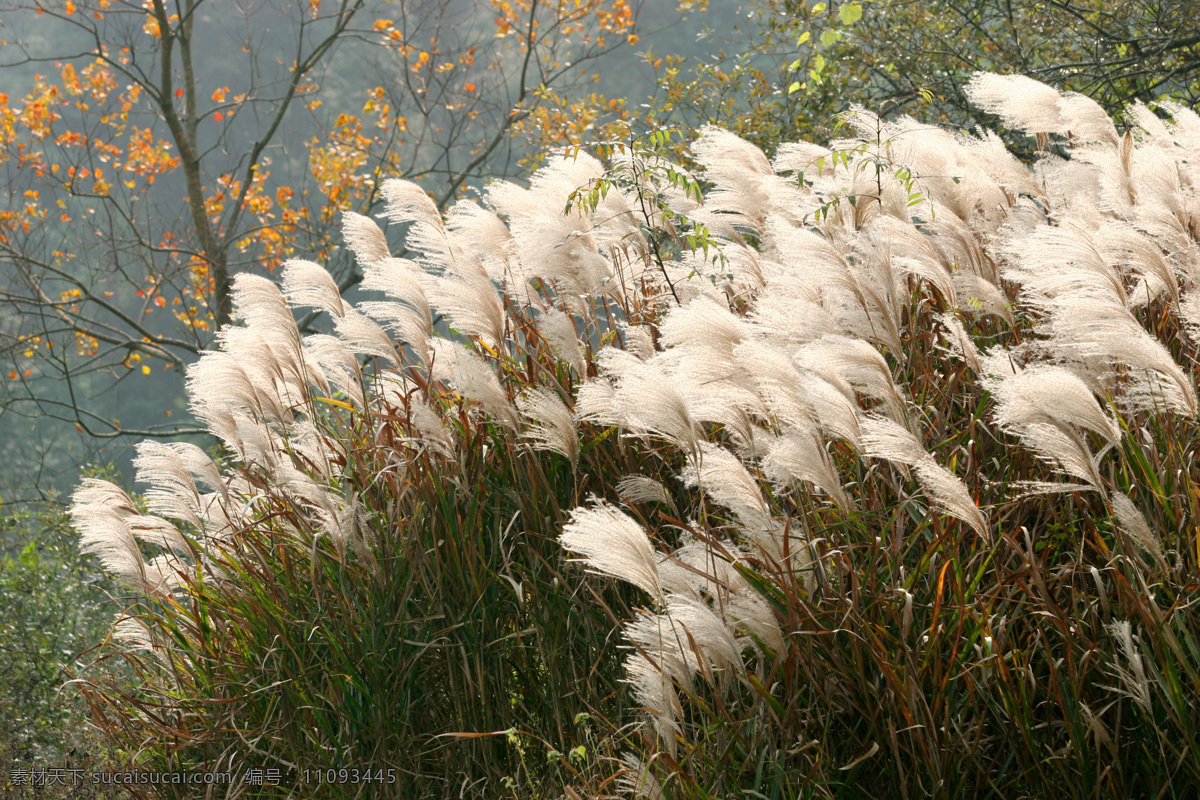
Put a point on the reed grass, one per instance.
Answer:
(882, 455)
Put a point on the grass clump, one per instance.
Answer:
(888, 445)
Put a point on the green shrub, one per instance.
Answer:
(56, 609)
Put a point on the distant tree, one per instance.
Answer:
(795, 63)
(160, 148)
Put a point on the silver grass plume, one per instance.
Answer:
(1189, 313)
(740, 175)
(791, 314)
(858, 363)
(272, 364)
(711, 635)
(646, 400)
(365, 337)
(1143, 257)
(596, 401)
(134, 633)
(553, 426)
(992, 156)
(703, 335)
(802, 157)
(613, 543)
(364, 238)
(546, 243)
(258, 303)
(1134, 525)
(979, 296)
(959, 342)
(702, 570)
(652, 687)
(1021, 102)
(99, 511)
(337, 363)
(637, 489)
(685, 639)
(412, 317)
(799, 397)
(472, 305)
(728, 483)
(883, 438)
(800, 456)
(699, 572)
(315, 450)
(408, 202)
(637, 340)
(1064, 448)
(253, 441)
(747, 610)
(559, 330)
(1101, 329)
(637, 780)
(1050, 395)
(308, 284)
(471, 376)
(173, 494)
(1086, 120)
(219, 385)
(410, 326)
(658, 640)
(1064, 259)
(723, 402)
(913, 253)
(1131, 673)
(432, 429)
(483, 232)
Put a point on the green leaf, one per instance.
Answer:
(804, 37)
(795, 87)
(850, 13)
(818, 65)
(830, 37)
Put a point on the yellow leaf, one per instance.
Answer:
(850, 13)
(145, 369)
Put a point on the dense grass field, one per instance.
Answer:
(861, 471)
